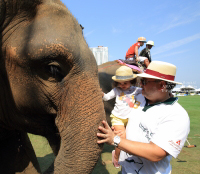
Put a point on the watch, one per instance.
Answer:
(116, 140)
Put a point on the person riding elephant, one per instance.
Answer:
(49, 87)
(146, 54)
(133, 52)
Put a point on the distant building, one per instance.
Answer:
(100, 54)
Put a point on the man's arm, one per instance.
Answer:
(150, 151)
(136, 51)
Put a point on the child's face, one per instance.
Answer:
(124, 85)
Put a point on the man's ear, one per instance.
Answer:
(162, 86)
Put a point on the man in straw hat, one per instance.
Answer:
(156, 132)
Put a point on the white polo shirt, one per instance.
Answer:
(165, 124)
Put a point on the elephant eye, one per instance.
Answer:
(54, 72)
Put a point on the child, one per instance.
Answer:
(124, 102)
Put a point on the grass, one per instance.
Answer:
(189, 158)
(187, 162)
(43, 151)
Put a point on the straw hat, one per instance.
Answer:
(123, 73)
(141, 39)
(160, 70)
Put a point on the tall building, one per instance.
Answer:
(100, 54)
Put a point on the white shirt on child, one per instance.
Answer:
(125, 101)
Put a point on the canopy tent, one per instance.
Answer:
(187, 88)
(176, 90)
(197, 90)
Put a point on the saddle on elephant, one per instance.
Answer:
(135, 66)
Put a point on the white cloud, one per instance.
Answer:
(171, 54)
(175, 24)
(88, 33)
(183, 16)
(115, 30)
(176, 44)
(196, 14)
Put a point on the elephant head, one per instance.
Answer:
(49, 81)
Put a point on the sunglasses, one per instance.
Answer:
(144, 81)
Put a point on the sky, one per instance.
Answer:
(173, 25)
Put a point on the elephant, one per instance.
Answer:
(106, 71)
(48, 86)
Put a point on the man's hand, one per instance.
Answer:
(107, 134)
(137, 59)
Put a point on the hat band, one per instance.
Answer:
(123, 77)
(160, 75)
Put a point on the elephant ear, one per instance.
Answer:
(10, 8)
(2, 11)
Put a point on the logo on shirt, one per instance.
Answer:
(130, 101)
(178, 142)
(175, 145)
(136, 162)
(147, 132)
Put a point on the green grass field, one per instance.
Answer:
(187, 162)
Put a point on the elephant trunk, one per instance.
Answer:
(78, 121)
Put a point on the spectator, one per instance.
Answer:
(157, 130)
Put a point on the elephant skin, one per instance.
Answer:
(49, 86)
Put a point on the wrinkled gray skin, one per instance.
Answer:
(48, 86)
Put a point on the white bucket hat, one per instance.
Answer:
(150, 43)
(160, 70)
(123, 73)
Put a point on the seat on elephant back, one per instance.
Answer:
(136, 68)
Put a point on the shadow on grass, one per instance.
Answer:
(181, 161)
(100, 168)
(103, 166)
(108, 148)
(45, 161)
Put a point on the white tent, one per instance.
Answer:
(187, 88)
(176, 90)
(182, 87)
(197, 90)
(190, 88)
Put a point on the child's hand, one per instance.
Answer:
(118, 132)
